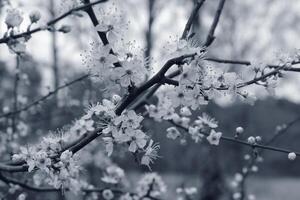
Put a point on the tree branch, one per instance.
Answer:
(189, 23)
(43, 98)
(247, 63)
(241, 142)
(51, 22)
(157, 78)
(210, 37)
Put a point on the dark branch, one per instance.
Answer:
(189, 23)
(210, 37)
(157, 78)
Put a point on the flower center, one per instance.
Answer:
(102, 59)
(129, 72)
(110, 27)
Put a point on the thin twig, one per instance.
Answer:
(189, 23)
(253, 160)
(210, 37)
(43, 98)
(241, 142)
(149, 36)
(247, 63)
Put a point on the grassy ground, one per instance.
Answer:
(266, 188)
(275, 188)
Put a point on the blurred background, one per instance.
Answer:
(254, 30)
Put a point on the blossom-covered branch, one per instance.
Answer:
(51, 22)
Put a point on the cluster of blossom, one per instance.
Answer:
(199, 81)
(198, 129)
(13, 21)
(204, 125)
(283, 61)
(151, 184)
(254, 140)
(22, 130)
(239, 178)
(113, 175)
(115, 70)
(238, 196)
(67, 5)
(16, 190)
(112, 22)
(119, 68)
(185, 193)
(59, 169)
(123, 129)
(126, 129)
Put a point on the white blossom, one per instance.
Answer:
(34, 16)
(13, 18)
(239, 130)
(173, 133)
(113, 175)
(214, 137)
(151, 154)
(251, 140)
(154, 181)
(206, 120)
(292, 156)
(107, 194)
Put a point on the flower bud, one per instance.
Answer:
(107, 194)
(13, 18)
(292, 156)
(185, 111)
(5, 109)
(239, 130)
(116, 98)
(22, 196)
(35, 16)
(258, 139)
(251, 140)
